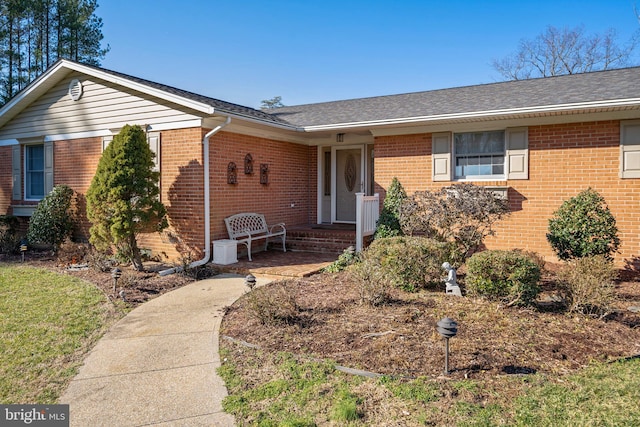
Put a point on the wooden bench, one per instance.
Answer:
(247, 227)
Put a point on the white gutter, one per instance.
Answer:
(207, 204)
(617, 103)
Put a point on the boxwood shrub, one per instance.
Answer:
(408, 262)
(509, 276)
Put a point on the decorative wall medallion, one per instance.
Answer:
(264, 173)
(248, 164)
(350, 172)
(232, 173)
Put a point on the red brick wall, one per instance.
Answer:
(288, 197)
(563, 160)
(182, 192)
(75, 162)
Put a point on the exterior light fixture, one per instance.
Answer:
(115, 273)
(250, 281)
(23, 248)
(448, 328)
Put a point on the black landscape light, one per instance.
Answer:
(115, 273)
(448, 328)
(23, 248)
(250, 281)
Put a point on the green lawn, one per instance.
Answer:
(48, 322)
(274, 389)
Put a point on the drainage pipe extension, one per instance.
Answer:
(207, 204)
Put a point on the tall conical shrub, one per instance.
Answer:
(389, 222)
(122, 200)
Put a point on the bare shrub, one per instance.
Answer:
(587, 285)
(100, 260)
(275, 303)
(462, 213)
(8, 233)
(72, 253)
(373, 283)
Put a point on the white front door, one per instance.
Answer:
(348, 170)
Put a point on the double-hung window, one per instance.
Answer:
(476, 156)
(479, 155)
(34, 172)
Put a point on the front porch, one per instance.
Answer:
(321, 238)
(280, 265)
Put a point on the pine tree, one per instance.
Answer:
(36, 33)
(122, 200)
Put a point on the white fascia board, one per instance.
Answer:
(77, 135)
(618, 103)
(185, 124)
(122, 81)
(8, 142)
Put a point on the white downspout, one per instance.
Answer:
(207, 204)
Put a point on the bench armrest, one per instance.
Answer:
(280, 225)
(241, 234)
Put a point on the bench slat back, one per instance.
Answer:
(240, 223)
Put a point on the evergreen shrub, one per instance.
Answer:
(583, 226)
(509, 276)
(409, 263)
(51, 222)
(389, 222)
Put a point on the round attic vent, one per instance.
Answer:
(75, 89)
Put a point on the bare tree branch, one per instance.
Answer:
(565, 51)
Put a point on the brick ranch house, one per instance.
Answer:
(537, 141)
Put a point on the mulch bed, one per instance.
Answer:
(399, 338)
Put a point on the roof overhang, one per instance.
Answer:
(63, 68)
(586, 108)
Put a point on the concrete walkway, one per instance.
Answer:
(156, 366)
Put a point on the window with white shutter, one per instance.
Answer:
(630, 149)
(441, 156)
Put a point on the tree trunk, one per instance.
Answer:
(136, 256)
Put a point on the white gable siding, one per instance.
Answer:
(103, 105)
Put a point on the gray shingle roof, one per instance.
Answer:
(217, 104)
(610, 85)
(568, 89)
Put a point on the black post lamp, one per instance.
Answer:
(115, 273)
(448, 328)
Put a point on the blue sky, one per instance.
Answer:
(307, 51)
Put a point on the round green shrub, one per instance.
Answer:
(51, 222)
(583, 226)
(409, 263)
(509, 276)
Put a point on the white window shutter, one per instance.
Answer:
(441, 156)
(16, 171)
(517, 155)
(153, 138)
(630, 149)
(48, 167)
(106, 140)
